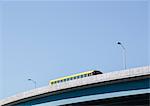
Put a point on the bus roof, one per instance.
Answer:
(72, 75)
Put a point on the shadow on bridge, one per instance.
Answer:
(136, 100)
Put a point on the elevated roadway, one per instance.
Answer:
(104, 89)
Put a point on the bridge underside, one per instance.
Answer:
(134, 100)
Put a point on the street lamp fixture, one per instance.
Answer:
(124, 54)
(33, 82)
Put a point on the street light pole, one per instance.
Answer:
(33, 82)
(124, 54)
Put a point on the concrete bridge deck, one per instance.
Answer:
(100, 80)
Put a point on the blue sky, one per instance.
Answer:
(44, 40)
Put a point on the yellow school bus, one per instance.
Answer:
(74, 77)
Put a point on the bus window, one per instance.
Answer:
(81, 76)
(89, 74)
(85, 75)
